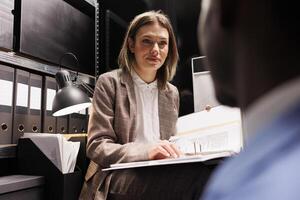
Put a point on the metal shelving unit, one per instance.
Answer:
(23, 62)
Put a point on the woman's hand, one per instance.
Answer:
(164, 149)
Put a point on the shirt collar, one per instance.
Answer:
(270, 106)
(142, 84)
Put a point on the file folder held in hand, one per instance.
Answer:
(219, 129)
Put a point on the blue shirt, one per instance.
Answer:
(268, 167)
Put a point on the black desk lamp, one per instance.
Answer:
(69, 98)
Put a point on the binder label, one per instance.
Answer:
(50, 97)
(22, 95)
(6, 94)
(35, 98)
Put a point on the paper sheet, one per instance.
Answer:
(62, 153)
(216, 130)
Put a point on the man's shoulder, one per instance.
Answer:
(268, 166)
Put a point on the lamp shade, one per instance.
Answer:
(69, 98)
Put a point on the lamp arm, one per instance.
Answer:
(85, 86)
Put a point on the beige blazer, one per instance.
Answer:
(111, 129)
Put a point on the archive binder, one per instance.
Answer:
(62, 124)
(78, 122)
(6, 103)
(58, 186)
(49, 93)
(20, 120)
(35, 103)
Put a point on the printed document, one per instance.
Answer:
(218, 129)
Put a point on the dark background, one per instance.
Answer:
(183, 15)
(184, 18)
(44, 31)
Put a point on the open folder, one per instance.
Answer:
(59, 151)
(201, 136)
(171, 161)
(218, 129)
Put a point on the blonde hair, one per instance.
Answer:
(126, 58)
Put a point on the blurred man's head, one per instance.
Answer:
(252, 46)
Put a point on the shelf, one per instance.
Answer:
(86, 6)
(14, 183)
(24, 62)
(8, 150)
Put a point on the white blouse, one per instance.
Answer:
(147, 109)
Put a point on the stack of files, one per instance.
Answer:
(62, 153)
(216, 130)
(78, 122)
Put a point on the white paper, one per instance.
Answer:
(62, 153)
(6, 92)
(219, 138)
(216, 130)
(35, 98)
(50, 97)
(22, 95)
(217, 116)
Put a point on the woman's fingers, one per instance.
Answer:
(176, 149)
(164, 149)
(158, 152)
(170, 149)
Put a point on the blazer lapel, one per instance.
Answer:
(163, 101)
(127, 90)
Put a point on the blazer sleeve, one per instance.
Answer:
(102, 146)
(177, 99)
